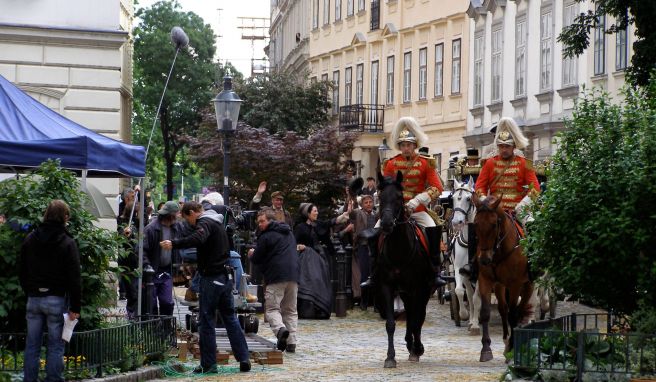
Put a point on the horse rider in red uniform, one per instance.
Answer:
(421, 186)
(508, 174)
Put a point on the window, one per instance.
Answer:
(570, 63)
(390, 80)
(497, 46)
(600, 47)
(349, 8)
(423, 73)
(338, 10)
(324, 79)
(407, 62)
(359, 82)
(479, 48)
(315, 14)
(455, 67)
(313, 79)
(326, 12)
(520, 58)
(621, 50)
(546, 35)
(361, 5)
(348, 74)
(374, 82)
(438, 161)
(336, 92)
(439, 70)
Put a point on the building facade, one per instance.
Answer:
(74, 56)
(288, 48)
(386, 59)
(517, 68)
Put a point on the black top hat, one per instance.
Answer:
(472, 153)
(423, 150)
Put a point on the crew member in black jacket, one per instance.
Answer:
(50, 277)
(210, 239)
(276, 253)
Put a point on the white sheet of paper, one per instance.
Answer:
(68, 328)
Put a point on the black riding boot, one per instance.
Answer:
(434, 235)
(373, 253)
(471, 269)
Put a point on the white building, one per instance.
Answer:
(517, 68)
(289, 44)
(75, 56)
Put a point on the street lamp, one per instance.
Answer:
(179, 165)
(227, 105)
(383, 152)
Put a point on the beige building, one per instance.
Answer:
(387, 59)
(75, 56)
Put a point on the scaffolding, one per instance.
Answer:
(255, 29)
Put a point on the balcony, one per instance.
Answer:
(362, 117)
(375, 15)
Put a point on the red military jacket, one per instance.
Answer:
(509, 177)
(418, 176)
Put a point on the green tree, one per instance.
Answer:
(639, 13)
(284, 138)
(594, 232)
(24, 200)
(190, 86)
(280, 102)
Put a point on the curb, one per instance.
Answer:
(141, 374)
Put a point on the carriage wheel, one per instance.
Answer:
(454, 304)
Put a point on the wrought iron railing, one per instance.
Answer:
(90, 351)
(362, 117)
(375, 14)
(570, 346)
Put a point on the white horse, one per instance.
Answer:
(463, 213)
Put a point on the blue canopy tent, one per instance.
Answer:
(31, 133)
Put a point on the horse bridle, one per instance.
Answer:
(469, 209)
(499, 240)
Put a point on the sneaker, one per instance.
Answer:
(210, 370)
(291, 348)
(282, 335)
(245, 366)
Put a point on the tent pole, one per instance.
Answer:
(142, 202)
(84, 181)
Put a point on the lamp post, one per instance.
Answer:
(383, 153)
(227, 104)
(179, 165)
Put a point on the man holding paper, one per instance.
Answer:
(50, 277)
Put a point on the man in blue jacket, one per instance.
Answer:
(276, 254)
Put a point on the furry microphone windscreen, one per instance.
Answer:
(179, 38)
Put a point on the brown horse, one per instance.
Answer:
(502, 267)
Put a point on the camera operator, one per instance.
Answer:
(211, 241)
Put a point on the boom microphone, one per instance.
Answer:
(179, 38)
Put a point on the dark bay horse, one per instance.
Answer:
(502, 267)
(403, 267)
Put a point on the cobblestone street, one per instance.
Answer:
(354, 348)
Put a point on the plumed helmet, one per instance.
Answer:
(408, 130)
(508, 133)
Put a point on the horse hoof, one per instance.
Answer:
(486, 356)
(413, 358)
(390, 363)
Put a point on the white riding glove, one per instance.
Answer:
(422, 198)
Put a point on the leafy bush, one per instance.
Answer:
(24, 201)
(594, 232)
